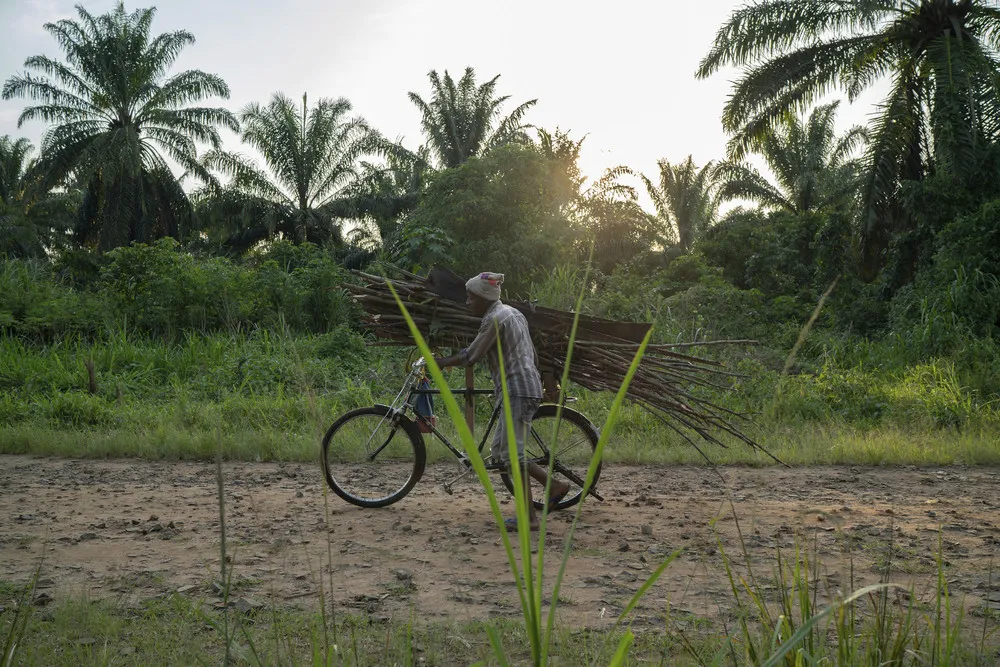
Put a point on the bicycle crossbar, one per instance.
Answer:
(462, 392)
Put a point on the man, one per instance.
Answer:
(524, 385)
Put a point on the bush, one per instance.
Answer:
(719, 311)
(33, 303)
(160, 290)
(780, 253)
(957, 297)
(500, 212)
(75, 409)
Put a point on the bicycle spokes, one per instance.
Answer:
(371, 460)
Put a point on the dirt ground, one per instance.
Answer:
(137, 529)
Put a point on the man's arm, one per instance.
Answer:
(445, 362)
(486, 339)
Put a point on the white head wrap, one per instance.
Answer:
(486, 285)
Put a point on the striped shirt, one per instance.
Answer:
(519, 356)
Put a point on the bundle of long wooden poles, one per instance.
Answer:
(664, 383)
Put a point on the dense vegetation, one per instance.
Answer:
(164, 295)
(129, 303)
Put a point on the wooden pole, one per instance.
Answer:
(470, 406)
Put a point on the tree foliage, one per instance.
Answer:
(312, 161)
(939, 56)
(379, 203)
(503, 212)
(33, 221)
(814, 169)
(686, 197)
(462, 120)
(117, 118)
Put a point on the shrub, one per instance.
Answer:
(956, 297)
(34, 304)
(76, 409)
(718, 311)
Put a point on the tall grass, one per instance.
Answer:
(270, 392)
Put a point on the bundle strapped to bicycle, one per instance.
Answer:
(373, 456)
(602, 353)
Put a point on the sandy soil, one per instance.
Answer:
(137, 529)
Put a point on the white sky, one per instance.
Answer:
(621, 72)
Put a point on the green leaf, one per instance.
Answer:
(498, 651)
(647, 584)
(621, 654)
(795, 639)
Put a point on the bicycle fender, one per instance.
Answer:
(400, 418)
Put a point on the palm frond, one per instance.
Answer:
(895, 138)
(761, 29)
(462, 120)
(115, 115)
(741, 181)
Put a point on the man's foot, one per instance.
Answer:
(558, 493)
(511, 525)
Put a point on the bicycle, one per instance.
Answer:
(374, 456)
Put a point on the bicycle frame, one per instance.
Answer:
(404, 401)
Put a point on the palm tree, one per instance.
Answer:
(686, 197)
(464, 120)
(32, 220)
(613, 223)
(311, 156)
(19, 236)
(563, 152)
(117, 119)
(813, 167)
(380, 201)
(941, 59)
(14, 162)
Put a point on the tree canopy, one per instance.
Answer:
(813, 167)
(117, 118)
(462, 119)
(940, 57)
(312, 159)
(685, 196)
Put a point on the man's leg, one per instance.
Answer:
(541, 475)
(523, 410)
(528, 408)
(500, 452)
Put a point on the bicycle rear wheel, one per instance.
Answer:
(573, 448)
(371, 457)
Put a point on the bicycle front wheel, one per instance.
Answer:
(373, 457)
(572, 449)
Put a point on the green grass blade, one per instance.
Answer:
(533, 611)
(466, 440)
(794, 640)
(543, 528)
(648, 584)
(621, 654)
(592, 470)
(498, 651)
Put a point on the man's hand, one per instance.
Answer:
(447, 362)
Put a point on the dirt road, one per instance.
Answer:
(136, 529)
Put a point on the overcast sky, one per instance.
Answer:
(620, 72)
